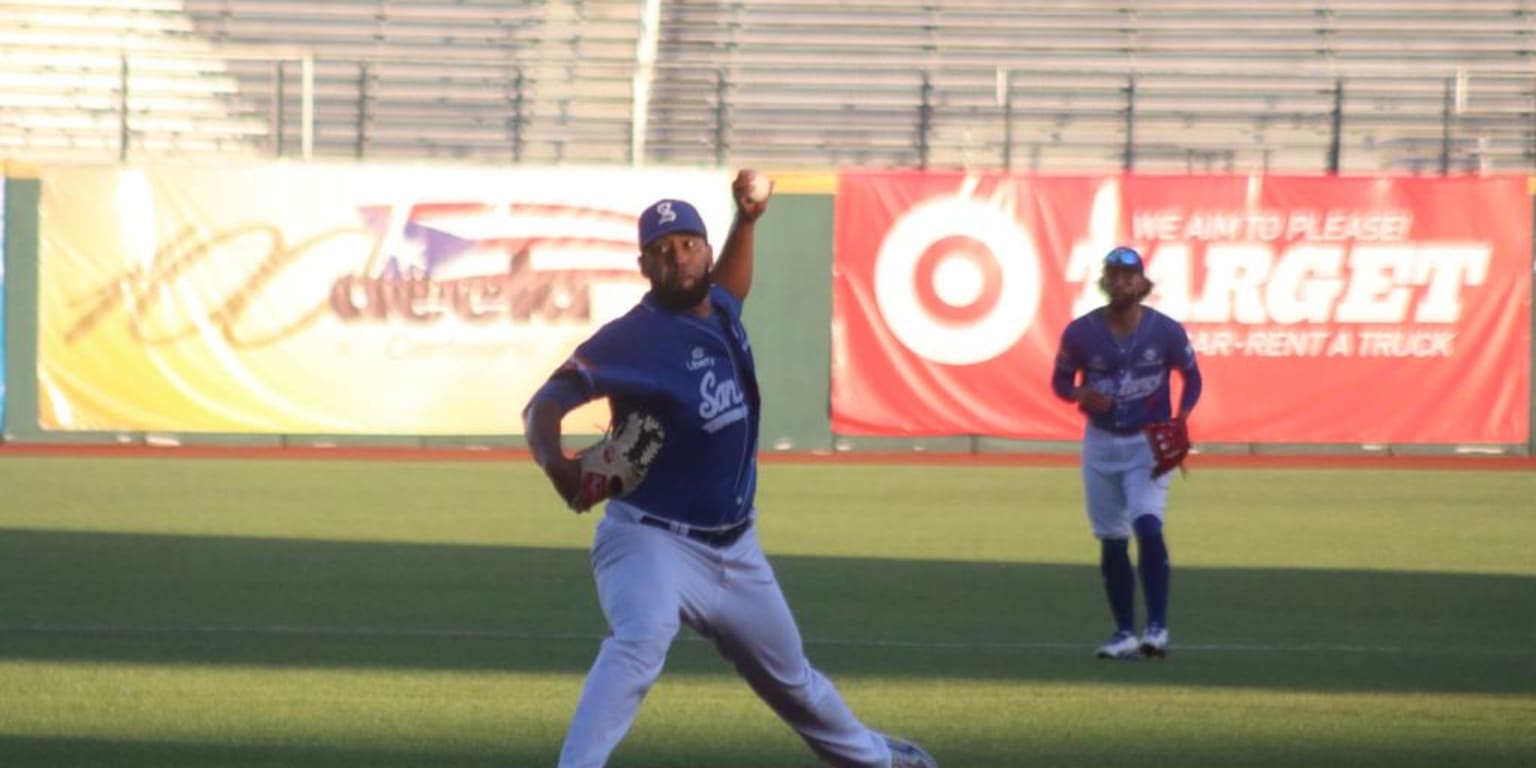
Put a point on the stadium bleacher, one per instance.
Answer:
(98, 79)
(1191, 85)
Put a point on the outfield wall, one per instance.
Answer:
(213, 346)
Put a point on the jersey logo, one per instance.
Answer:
(700, 360)
(722, 402)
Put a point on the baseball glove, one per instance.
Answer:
(1170, 445)
(616, 465)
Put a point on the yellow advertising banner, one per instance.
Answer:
(332, 299)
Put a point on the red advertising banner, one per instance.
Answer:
(1323, 310)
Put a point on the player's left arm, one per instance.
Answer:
(1189, 369)
(733, 270)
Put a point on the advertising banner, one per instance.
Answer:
(2, 300)
(337, 300)
(1348, 310)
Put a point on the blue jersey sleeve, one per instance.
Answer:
(1183, 359)
(1064, 373)
(565, 388)
(615, 361)
(726, 301)
(619, 361)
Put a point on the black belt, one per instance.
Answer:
(1124, 431)
(722, 537)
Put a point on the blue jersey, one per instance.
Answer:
(696, 376)
(1133, 371)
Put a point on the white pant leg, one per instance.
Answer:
(1103, 487)
(753, 628)
(1143, 494)
(1118, 484)
(638, 585)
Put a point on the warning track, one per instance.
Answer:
(407, 453)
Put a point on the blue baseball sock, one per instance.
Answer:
(1119, 581)
(1152, 561)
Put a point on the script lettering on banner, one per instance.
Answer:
(330, 300)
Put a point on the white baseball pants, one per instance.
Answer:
(1118, 484)
(649, 581)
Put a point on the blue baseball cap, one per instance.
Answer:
(664, 217)
(1124, 258)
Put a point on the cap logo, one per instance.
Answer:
(664, 217)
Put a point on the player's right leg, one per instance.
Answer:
(637, 585)
(1120, 589)
(1104, 494)
(753, 628)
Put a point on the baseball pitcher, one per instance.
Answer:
(678, 472)
(1115, 364)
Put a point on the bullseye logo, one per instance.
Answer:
(957, 281)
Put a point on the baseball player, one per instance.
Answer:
(1125, 352)
(681, 548)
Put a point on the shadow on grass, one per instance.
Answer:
(69, 752)
(77, 752)
(1218, 751)
(205, 600)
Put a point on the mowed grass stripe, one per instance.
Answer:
(307, 614)
(390, 633)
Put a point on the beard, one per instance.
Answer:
(678, 298)
(1122, 303)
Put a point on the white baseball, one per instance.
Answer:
(760, 188)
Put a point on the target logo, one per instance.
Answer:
(957, 281)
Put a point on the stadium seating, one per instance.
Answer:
(65, 65)
(1189, 85)
(482, 80)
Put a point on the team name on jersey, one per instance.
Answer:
(1138, 387)
(721, 403)
(1127, 387)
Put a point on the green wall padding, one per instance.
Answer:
(787, 317)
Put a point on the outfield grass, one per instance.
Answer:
(159, 613)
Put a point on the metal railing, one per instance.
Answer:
(126, 105)
(143, 105)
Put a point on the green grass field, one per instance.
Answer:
(309, 614)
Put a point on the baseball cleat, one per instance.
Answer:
(905, 754)
(1121, 645)
(1154, 642)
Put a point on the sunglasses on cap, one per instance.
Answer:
(1124, 257)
